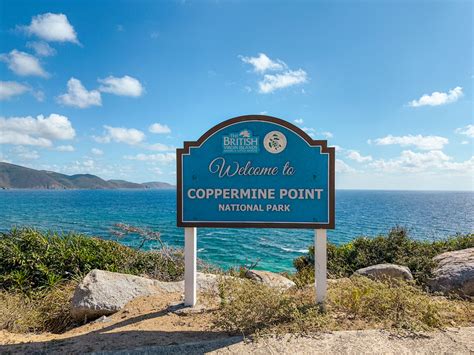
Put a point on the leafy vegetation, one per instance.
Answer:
(39, 271)
(355, 303)
(397, 247)
(32, 261)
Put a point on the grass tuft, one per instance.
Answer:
(46, 311)
(356, 303)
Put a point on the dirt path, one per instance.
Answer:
(453, 341)
(154, 324)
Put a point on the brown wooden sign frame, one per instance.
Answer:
(291, 127)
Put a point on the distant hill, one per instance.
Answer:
(158, 185)
(19, 177)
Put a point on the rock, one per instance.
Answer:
(384, 271)
(103, 319)
(269, 278)
(102, 293)
(182, 310)
(454, 273)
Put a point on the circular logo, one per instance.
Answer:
(274, 142)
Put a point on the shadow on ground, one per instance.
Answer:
(111, 339)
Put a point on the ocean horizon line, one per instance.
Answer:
(174, 188)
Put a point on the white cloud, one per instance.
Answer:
(25, 153)
(465, 142)
(8, 89)
(4, 158)
(88, 163)
(310, 131)
(272, 82)
(438, 98)
(91, 166)
(12, 137)
(86, 166)
(52, 28)
(342, 167)
(413, 162)
(157, 171)
(65, 148)
(410, 161)
(159, 157)
(42, 49)
(419, 141)
(467, 130)
(39, 131)
(130, 136)
(38, 95)
(299, 121)
(159, 128)
(159, 147)
(263, 63)
(355, 155)
(465, 167)
(23, 64)
(97, 151)
(78, 96)
(124, 86)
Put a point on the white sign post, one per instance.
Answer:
(190, 265)
(320, 264)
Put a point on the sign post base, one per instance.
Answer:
(190, 265)
(320, 265)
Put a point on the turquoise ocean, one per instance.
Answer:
(428, 215)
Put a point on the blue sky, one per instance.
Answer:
(113, 87)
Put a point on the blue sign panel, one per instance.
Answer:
(256, 171)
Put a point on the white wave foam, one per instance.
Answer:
(295, 250)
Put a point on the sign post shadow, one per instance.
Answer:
(255, 172)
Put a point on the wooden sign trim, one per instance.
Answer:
(311, 142)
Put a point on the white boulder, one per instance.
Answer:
(103, 292)
(269, 278)
(386, 271)
(454, 273)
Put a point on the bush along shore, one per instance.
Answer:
(39, 273)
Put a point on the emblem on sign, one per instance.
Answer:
(275, 142)
(240, 142)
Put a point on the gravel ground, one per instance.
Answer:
(452, 341)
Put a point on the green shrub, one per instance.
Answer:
(395, 248)
(31, 260)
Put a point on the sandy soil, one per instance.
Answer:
(158, 324)
(152, 320)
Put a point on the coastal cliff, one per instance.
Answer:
(19, 177)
